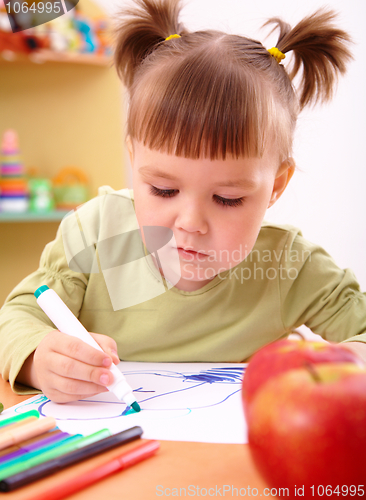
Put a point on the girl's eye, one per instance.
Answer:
(227, 202)
(164, 193)
(168, 193)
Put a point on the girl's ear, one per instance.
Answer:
(285, 172)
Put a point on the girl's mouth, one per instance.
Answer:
(190, 255)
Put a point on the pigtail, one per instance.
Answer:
(320, 50)
(140, 31)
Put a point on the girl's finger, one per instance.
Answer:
(108, 345)
(70, 368)
(57, 396)
(77, 349)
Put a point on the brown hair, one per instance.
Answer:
(211, 94)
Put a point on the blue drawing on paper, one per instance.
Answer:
(157, 391)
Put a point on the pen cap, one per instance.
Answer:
(40, 290)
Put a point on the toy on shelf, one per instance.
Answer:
(72, 33)
(70, 188)
(62, 35)
(19, 43)
(13, 43)
(4, 20)
(13, 184)
(40, 195)
(86, 29)
(102, 32)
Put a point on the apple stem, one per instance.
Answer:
(313, 372)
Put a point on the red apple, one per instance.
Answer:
(308, 431)
(283, 355)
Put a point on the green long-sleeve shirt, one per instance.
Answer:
(285, 282)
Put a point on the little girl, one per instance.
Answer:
(184, 268)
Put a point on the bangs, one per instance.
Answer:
(201, 105)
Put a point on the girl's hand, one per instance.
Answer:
(67, 369)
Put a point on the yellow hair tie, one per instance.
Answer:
(172, 36)
(277, 54)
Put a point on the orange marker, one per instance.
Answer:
(17, 424)
(26, 431)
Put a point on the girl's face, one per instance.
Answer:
(214, 207)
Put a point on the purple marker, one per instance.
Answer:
(41, 443)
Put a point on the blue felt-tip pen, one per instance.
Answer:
(67, 322)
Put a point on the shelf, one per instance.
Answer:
(54, 216)
(49, 56)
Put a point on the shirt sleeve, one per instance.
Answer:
(22, 322)
(316, 292)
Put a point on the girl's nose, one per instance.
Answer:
(191, 218)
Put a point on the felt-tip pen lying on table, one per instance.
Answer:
(66, 322)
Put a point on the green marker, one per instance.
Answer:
(17, 418)
(31, 454)
(1, 407)
(77, 443)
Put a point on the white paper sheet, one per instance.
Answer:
(179, 402)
